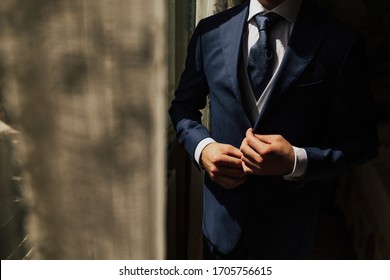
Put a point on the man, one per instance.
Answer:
(290, 106)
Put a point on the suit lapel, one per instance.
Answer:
(231, 38)
(304, 42)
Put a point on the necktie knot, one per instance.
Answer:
(267, 22)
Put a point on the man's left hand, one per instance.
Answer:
(267, 155)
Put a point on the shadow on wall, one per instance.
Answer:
(373, 19)
(93, 125)
(363, 196)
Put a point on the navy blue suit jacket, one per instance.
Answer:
(321, 102)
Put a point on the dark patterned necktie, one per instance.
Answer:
(261, 55)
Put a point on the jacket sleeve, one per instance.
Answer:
(190, 98)
(352, 128)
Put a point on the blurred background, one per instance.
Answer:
(89, 164)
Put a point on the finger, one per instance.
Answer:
(254, 169)
(232, 151)
(249, 154)
(229, 161)
(269, 139)
(256, 144)
(261, 170)
(252, 164)
(247, 169)
(249, 130)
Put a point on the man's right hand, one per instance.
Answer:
(223, 164)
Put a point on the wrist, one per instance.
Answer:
(300, 165)
(199, 149)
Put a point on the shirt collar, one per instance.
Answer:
(288, 9)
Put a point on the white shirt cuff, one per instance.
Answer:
(300, 165)
(199, 148)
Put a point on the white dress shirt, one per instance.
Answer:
(279, 37)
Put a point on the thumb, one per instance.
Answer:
(268, 139)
